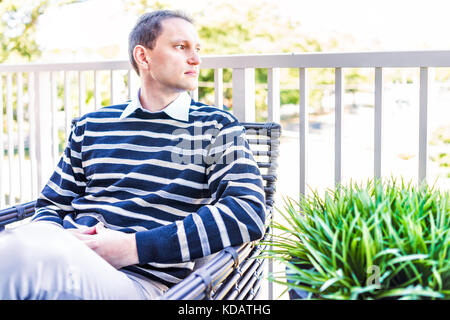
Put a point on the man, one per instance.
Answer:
(142, 189)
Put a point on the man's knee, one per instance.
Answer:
(25, 249)
(34, 263)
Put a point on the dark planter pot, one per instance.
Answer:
(295, 293)
(298, 294)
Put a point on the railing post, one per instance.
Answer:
(338, 95)
(11, 145)
(2, 150)
(67, 104)
(54, 107)
(32, 148)
(244, 94)
(115, 87)
(133, 84)
(423, 124)
(21, 138)
(218, 88)
(378, 121)
(97, 91)
(43, 133)
(81, 93)
(303, 128)
(273, 95)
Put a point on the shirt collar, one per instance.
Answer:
(177, 109)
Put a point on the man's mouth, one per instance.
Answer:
(191, 73)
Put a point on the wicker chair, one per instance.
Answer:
(233, 273)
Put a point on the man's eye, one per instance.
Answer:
(197, 49)
(180, 46)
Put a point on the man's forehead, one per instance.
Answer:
(179, 28)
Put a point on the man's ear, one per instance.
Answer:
(141, 58)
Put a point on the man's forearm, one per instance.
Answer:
(46, 215)
(185, 240)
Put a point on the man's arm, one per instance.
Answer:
(235, 216)
(65, 184)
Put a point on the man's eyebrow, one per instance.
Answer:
(186, 41)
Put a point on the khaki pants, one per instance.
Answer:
(40, 260)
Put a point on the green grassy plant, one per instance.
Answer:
(381, 240)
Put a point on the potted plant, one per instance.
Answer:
(381, 240)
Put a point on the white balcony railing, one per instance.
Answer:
(41, 99)
(36, 124)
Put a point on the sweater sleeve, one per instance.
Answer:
(66, 183)
(235, 216)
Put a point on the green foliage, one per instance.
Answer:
(18, 20)
(289, 96)
(441, 137)
(17, 26)
(244, 27)
(142, 6)
(333, 244)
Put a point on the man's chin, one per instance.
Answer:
(187, 86)
(191, 87)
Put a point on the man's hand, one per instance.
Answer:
(117, 248)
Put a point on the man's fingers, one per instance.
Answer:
(92, 230)
(99, 227)
(93, 244)
(88, 230)
(81, 236)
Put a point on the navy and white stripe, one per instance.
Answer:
(121, 171)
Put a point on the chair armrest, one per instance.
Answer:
(230, 274)
(16, 213)
(209, 276)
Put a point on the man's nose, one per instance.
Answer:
(194, 58)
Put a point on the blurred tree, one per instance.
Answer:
(141, 6)
(250, 27)
(233, 27)
(241, 27)
(18, 20)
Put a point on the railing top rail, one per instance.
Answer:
(332, 60)
(426, 58)
(67, 66)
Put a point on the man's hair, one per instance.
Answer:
(148, 28)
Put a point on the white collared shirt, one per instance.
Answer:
(177, 109)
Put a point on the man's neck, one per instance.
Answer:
(155, 100)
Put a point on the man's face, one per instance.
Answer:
(174, 59)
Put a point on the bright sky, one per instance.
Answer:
(398, 24)
(91, 24)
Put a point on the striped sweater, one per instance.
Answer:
(186, 188)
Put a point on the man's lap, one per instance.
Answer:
(40, 260)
